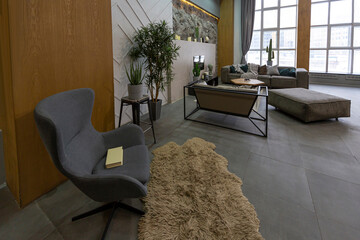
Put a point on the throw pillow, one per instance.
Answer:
(288, 72)
(262, 70)
(238, 68)
(273, 70)
(244, 67)
(293, 72)
(253, 67)
(232, 69)
(250, 75)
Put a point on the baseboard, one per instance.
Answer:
(335, 79)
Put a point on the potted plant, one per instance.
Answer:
(196, 72)
(197, 34)
(135, 76)
(210, 69)
(155, 43)
(270, 53)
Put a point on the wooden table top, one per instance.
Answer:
(250, 82)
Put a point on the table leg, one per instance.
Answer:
(151, 120)
(136, 113)
(121, 109)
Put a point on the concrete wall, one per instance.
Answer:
(2, 166)
(237, 31)
(183, 66)
(212, 6)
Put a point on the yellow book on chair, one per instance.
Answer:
(114, 157)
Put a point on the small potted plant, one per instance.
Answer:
(155, 43)
(270, 53)
(135, 76)
(210, 69)
(196, 72)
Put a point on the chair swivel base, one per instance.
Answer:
(114, 206)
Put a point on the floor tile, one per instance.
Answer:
(29, 223)
(335, 199)
(332, 163)
(332, 230)
(282, 220)
(278, 179)
(62, 202)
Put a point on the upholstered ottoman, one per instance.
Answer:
(308, 105)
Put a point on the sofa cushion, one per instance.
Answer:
(253, 67)
(234, 75)
(283, 82)
(238, 68)
(136, 164)
(262, 70)
(273, 70)
(266, 79)
(232, 69)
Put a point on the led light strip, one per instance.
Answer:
(199, 8)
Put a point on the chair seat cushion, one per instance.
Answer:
(136, 164)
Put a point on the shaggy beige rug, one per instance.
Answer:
(192, 195)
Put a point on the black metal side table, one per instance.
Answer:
(135, 104)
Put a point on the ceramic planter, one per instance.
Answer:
(269, 63)
(135, 91)
(155, 108)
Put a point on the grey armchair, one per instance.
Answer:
(79, 151)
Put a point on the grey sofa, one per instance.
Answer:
(301, 80)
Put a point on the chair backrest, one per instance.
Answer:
(226, 102)
(64, 123)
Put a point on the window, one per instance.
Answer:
(276, 20)
(335, 36)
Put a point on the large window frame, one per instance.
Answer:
(276, 48)
(329, 26)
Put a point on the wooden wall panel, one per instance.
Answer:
(56, 46)
(303, 34)
(7, 123)
(226, 34)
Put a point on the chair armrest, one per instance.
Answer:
(126, 136)
(224, 74)
(302, 78)
(110, 187)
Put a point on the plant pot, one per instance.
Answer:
(269, 63)
(155, 108)
(135, 91)
(196, 78)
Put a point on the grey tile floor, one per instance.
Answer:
(304, 179)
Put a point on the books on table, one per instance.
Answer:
(114, 157)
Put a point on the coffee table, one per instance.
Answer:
(250, 82)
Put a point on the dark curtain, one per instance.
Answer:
(247, 25)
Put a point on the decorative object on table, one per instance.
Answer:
(177, 37)
(212, 207)
(210, 69)
(270, 53)
(273, 70)
(196, 71)
(207, 39)
(135, 76)
(155, 42)
(189, 39)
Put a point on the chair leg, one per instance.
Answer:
(114, 206)
(109, 221)
(94, 211)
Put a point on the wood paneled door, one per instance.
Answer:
(49, 47)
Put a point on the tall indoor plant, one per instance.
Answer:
(155, 43)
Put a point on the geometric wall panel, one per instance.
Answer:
(127, 16)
